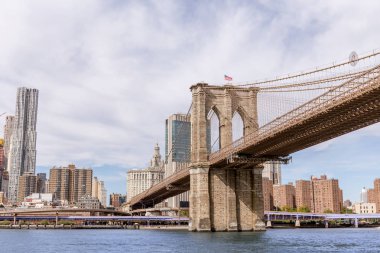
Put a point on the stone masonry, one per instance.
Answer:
(223, 199)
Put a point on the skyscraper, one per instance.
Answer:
(177, 150)
(364, 195)
(177, 143)
(5, 182)
(22, 149)
(27, 185)
(268, 194)
(303, 194)
(1, 154)
(376, 188)
(371, 196)
(2, 158)
(41, 183)
(8, 128)
(284, 196)
(272, 170)
(326, 195)
(70, 183)
(115, 199)
(99, 191)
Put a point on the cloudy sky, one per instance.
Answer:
(110, 72)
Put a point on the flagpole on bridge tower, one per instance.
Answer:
(227, 78)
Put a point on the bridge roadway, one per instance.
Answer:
(67, 214)
(350, 106)
(171, 186)
(58, 210)
(98, 218)
(318, 216)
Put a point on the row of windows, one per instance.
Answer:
(366, 207)
(139, 176)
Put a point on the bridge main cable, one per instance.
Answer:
(309, 72)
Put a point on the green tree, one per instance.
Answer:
(64, 222)
(346, 210)
(303, 209)
(328, 211)
(288, 209)
(5, 222)
(184, 213)
(44, 222)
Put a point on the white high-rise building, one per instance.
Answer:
(22, 149)
(99, 191)
(272, 170)
(364, 195)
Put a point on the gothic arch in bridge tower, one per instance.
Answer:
(237, 126)
(216, 199)
(213, 130)
(225, 101)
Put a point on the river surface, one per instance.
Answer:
(275, 240)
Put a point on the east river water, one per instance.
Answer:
(275, 240)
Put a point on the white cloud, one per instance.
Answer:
(110, 72)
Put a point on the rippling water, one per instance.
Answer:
(280, 240)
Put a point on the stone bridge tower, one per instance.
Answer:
(223, 199)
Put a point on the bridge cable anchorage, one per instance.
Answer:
(178, 133)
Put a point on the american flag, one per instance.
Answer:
(227, 78)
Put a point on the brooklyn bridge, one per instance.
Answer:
(280, 116)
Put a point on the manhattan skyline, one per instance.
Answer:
(104, 72)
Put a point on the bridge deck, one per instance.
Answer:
(58, 210)
(171, 186)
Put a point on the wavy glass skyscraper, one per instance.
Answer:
(22, 150)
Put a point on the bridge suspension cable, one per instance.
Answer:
(314, 82)
(278, 96)
(261, 84)
(306, 89)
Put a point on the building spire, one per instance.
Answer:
(156, 160)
